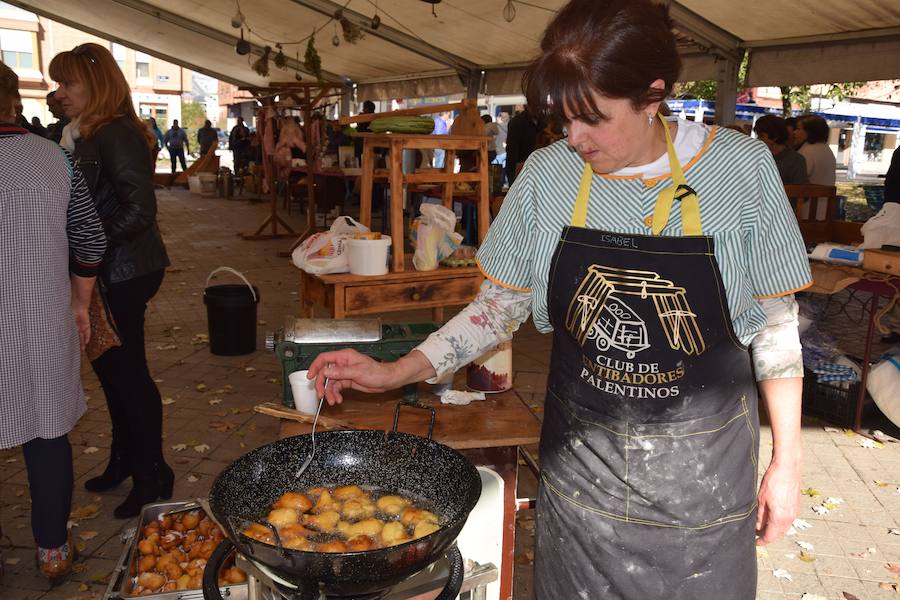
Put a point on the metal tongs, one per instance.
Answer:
(312, 451)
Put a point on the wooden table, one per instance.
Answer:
(829, 279)
(396, 179)
(487, 432)
(345, 295)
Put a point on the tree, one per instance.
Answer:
(802, 95)
(193, 115)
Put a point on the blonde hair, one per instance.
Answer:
(109, 96)
(9, 92)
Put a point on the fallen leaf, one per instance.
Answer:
(867, 443)
(881, 483)
(243, 445)
(890, 586)
(13, 560)
(864, 554)
(790, 532)
(88, 511)
(176, 328)
(808, 596)
(260, 322)
(272, 380)
(179, 447)
(11, 460)
(782, 574)
(849, 433)
(894, 532)
(193, 478)
(157, 380)
(811, 492)
(833, 500)
(832, 430)
(199, 339)
(167, 347)
(820, 510)
(201, 387)
(805, 546)
(222, 426)
(249, 369)
(83, 587)
(87, 535)
(215, 401)
(806, 556)
(893, 568)
(201, 448)
(849, 596)
(168, 401)
(800, 524)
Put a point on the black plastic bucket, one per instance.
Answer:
(231, 316)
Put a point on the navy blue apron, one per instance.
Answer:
(650, 435)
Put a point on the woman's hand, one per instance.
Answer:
(350, 370)
(82, 324)
(779, 502)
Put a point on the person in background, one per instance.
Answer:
(791, 124)
(812, 132)
(51, 243)
(156, 131)
(207, 137)
(37, 128)
(114, 148)
(176, 142)
(238, 143)
(368, 108)
(492, 130)
(54, 130)
(650, 440)
(441, 127)
(892, 179)
(772, 132)
(521, 137)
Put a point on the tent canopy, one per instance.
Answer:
(469, 46)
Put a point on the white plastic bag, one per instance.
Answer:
(884, 228)
(434, 237)
(883, 384)
(325, 252)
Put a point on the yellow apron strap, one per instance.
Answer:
(690, 205)
(579, 213)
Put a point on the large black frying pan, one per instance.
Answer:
(441, 478)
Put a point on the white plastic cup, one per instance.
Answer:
(368, 257)
(306, 400)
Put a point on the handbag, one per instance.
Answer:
(104, 334)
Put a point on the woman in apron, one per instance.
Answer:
(656, 251)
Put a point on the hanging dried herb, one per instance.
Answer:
(280, 59)
(352, 32)
(311, 60)
(261, 65)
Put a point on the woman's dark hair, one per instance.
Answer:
(613, 47)
(774, 128)
(816, 129)
(791, 122)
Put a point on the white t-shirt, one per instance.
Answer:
(689, 139)
(820, 163)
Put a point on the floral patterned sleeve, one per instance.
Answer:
(492, 317)
(776, 348)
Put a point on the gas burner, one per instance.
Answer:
(266, 585)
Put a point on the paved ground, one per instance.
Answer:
(854, 549)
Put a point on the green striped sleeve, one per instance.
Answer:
(505, 257)
(778, 262)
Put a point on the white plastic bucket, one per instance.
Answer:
(194, 184)
(208, 185)
(368, 257)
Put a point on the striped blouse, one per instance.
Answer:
(743, 207)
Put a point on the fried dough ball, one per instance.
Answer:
(178, 556)
(348, 492)
(197, 563)
(190, 538)
(207, 548)
(173, 571)
(412, 516)
(392, 505)
(136, 590)
(146, 547)
(366, 527)
(361, 508)
(171, 540)
(334, 546)
(235, 575)
(282, 517)
(259, 533)
(183, 582)
(151, 581)
(315, 492)
(325, 522)
(294, 531)
(205, 526)
(190, 520)
(170, 586)
(325, 503)
(360, 543)
(150, 528)
(394, 533)
(165, 522)
(179, 527)
(295, 500)
(425, 528)
(298, 543)
(196, 581)
(147, 562)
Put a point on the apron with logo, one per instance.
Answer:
(650, 435)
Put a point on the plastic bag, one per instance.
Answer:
(883, 384)
(434, 236)
(884, 228)
(325, 252)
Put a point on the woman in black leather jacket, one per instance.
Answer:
(113, 149)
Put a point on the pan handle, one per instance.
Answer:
(414, 404)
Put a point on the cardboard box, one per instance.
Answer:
(882, 261)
